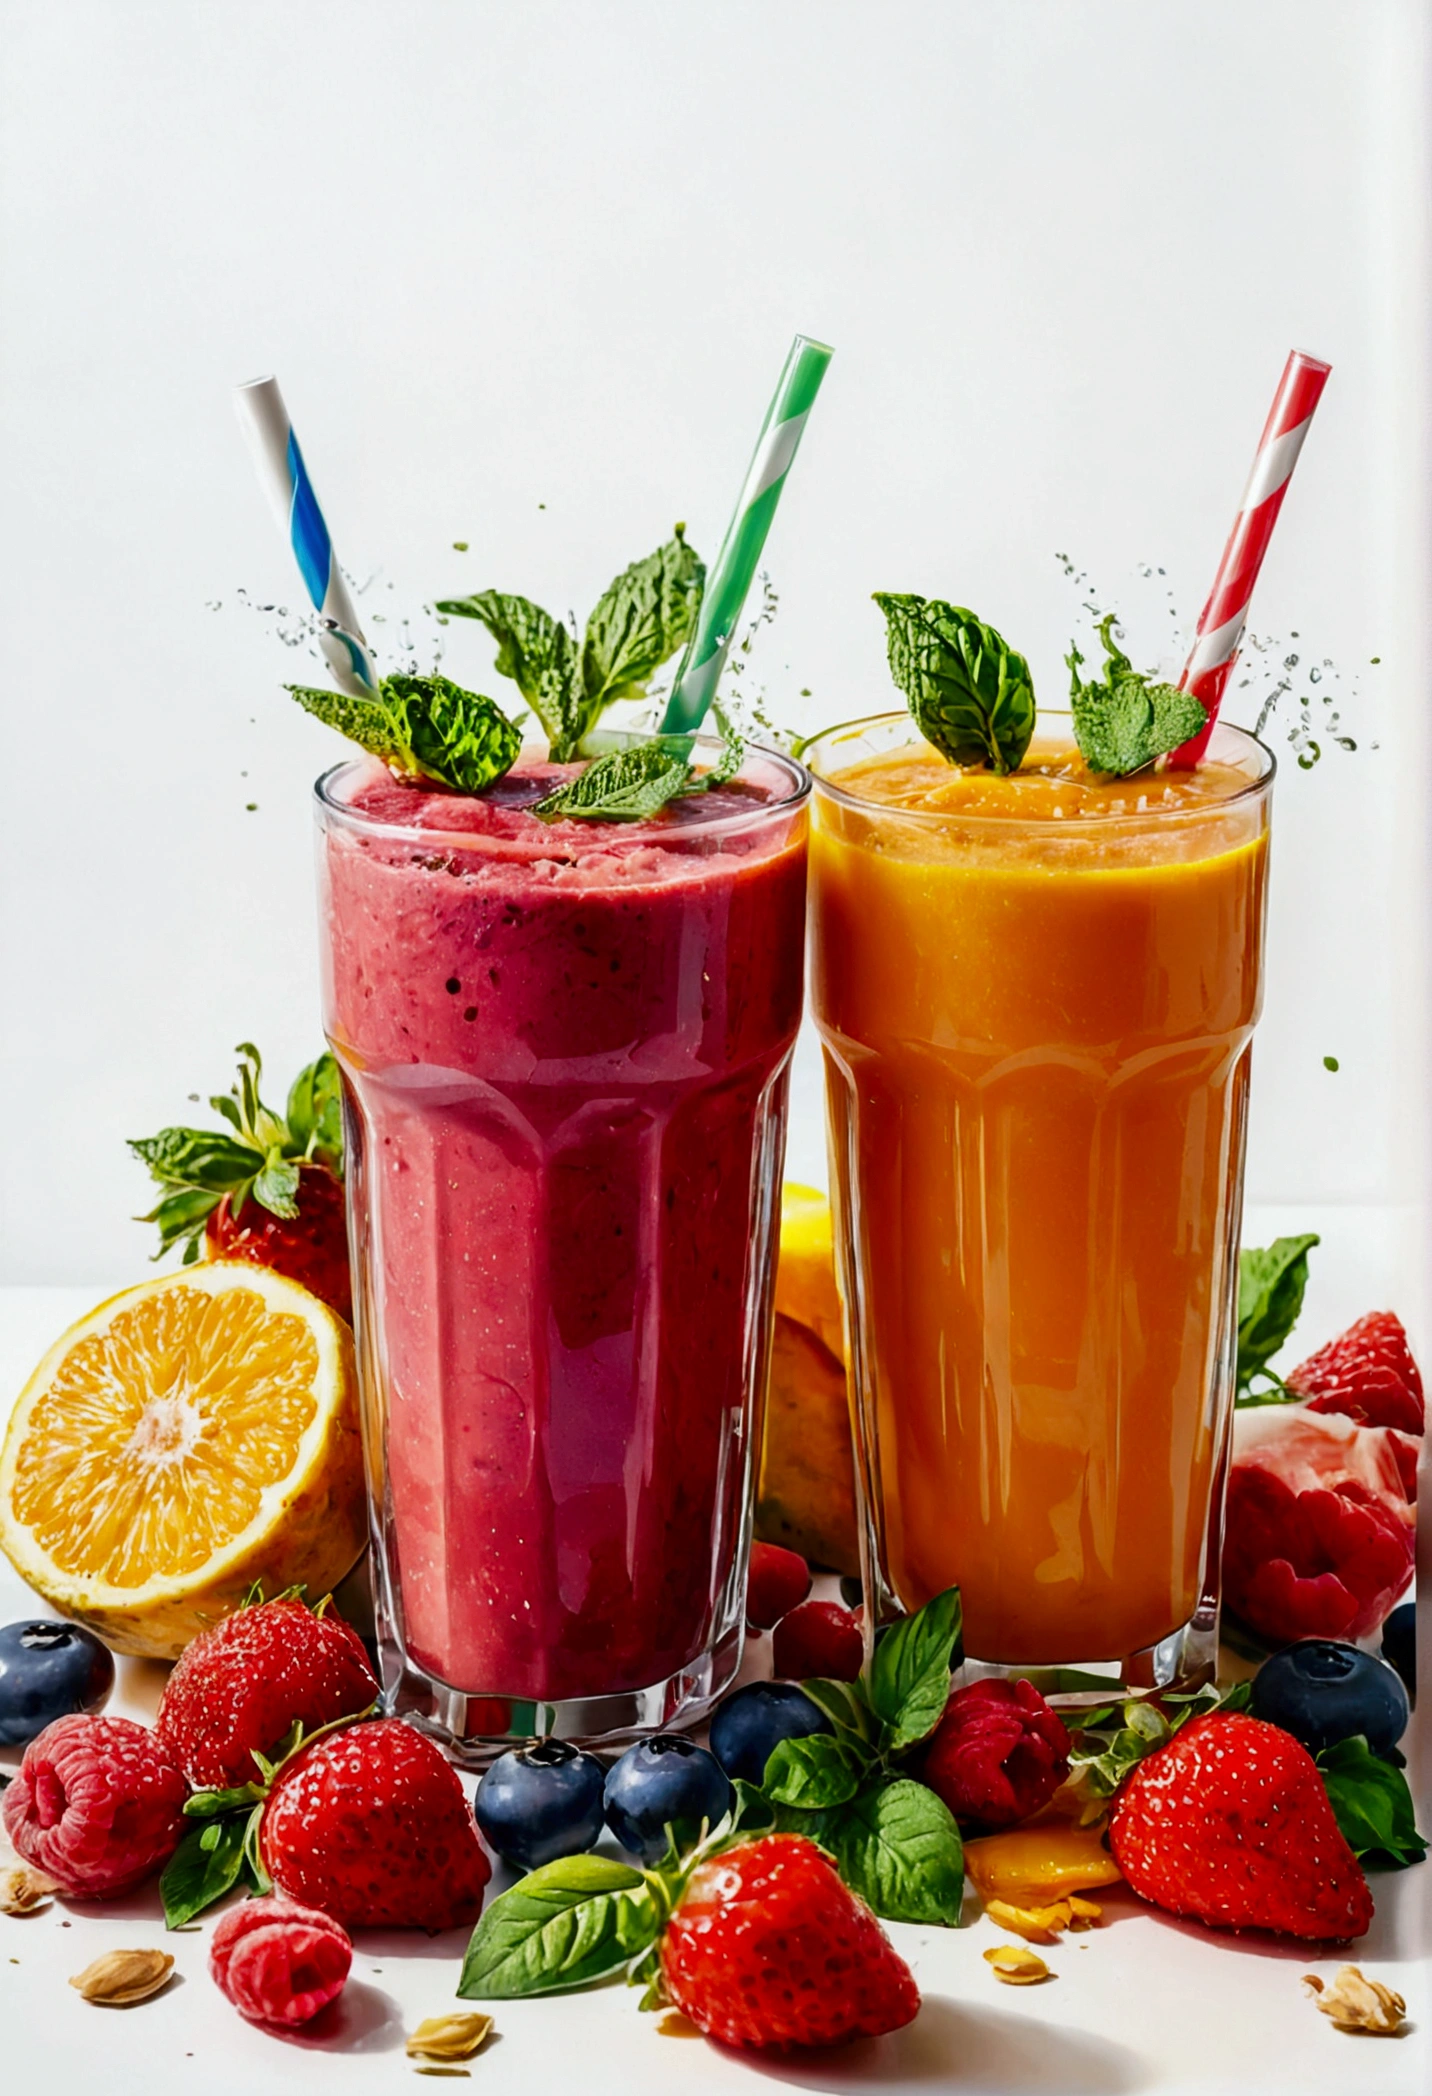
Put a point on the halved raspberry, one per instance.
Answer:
(278, 1962)
(998, 1753)
(97, 1805)
(1318, 1536)
(1368, 1373)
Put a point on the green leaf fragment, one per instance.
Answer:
(540, 656)
(910, 1672)
(898, 1846)
(1126, 721)
(970, 693)
(1372, 1805)
(426, 726)
(368, 722)
(209, 1861)
(1272, 1280)
(643, 617)
(315, 1114)
(816, 1772)
(564, 1925)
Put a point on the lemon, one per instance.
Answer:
(188, 1438)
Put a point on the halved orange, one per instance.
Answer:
(186, 1439)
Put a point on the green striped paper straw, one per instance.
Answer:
(730, 579)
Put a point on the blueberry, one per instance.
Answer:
(48, 1670)
(661, 1782)
(1322, 1692)
(541, 1802)
(755, 1720)
(1399, 1644)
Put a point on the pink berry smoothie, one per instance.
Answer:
(566, 1049)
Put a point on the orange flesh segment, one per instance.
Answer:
(155, 1442)
(1034, 1866)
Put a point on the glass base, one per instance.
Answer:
(474, 1730)
(1186, 1659)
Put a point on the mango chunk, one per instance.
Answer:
(805, 1495)
(1037, 1866)
(805, 1271)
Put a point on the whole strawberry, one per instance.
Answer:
(277, 1962)
(96, 1804)
(1229, 1823)
(997, 1755)
(269, 1189)
(371, 1826)
(240, 1687)
(767, 1948)
(1367, 1373)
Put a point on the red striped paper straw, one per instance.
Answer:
(1221, 622)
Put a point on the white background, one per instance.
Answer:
(504, 256)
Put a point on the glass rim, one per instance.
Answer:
(798, 776)
(1200, 811)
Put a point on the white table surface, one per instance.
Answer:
(1144, 2003)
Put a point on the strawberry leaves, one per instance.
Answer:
(262, 1158)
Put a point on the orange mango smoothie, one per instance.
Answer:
(1036, 995)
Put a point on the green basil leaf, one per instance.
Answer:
(910, 1673)
(454, 736)
(1372, 1805)
(815, 1772)
(623, 786)
(539, 655)
(643, 618)
(208, 1862)
(847, 1706)
(1271, 1283)
(898, 1846)
(563, 1925)
(970, 693)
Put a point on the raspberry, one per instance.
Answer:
(278, 1962)
(997, 1754)
(1367, 1373)
(243, 1684)
(96, 1804)
(778, 1580)
(818, 1639)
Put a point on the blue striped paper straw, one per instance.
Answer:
(285, 481)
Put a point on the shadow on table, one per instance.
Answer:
(363, 2019)
(955, 2046)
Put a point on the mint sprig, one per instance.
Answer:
(644, 616)
(635, 783)
(262, 1159)
(1126, 720)
(1272, 1280)
(428, 727)
(970, 693)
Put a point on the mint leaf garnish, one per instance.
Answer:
(1124, 722)
(561, 1926)
(263, 1159)
(540, 656)
(633, 784)
(899, 1848)
(910, 1672)
(1372, 1805)
(427, 726)
(643, 617)
(970, 693)
(1271, 1283)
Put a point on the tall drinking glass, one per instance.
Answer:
(565, 1052)
(1037, 996)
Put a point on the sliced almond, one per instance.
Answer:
(455, 2036)
(1084, 1914)
(1017, 1968)
(1355, 2003)
(23, 1890)
(672, 2024)
(121, 1977)
(1035, 1924)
